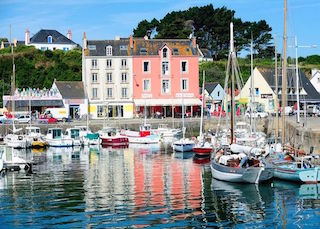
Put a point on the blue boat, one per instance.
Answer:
(183, 145)
(296, 171)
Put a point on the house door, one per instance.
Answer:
(74, 111)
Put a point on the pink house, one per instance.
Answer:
(164, 71)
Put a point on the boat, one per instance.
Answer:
(36, 138)
(87, 137)
(233, 162)
(12, 161)
(55, 138)
(183, 144)
(165, 132)
(203, 147)
(111, 137)
(74, 134)
(143, 136)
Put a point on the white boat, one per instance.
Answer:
(111, 137)
(55, 138)
(165, 132)
(143, 136)
(87, 136)
(37, 139)
(74, 134)
(183, 145)
(17, 141)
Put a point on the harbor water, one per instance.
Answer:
(144, 186)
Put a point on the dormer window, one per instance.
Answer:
(50, 39)
(165, 53)
(109, 50)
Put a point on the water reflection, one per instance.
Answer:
(105, 187)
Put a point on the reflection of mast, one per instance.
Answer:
(284, 72)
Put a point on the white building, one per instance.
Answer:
(107, 74)
(48, 39)
(315, 79)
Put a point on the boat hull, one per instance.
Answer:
(115, 141)
(202, 150)
(311, 175)
(150, 139)
(183, 147)
(241, 175)
(60, 143)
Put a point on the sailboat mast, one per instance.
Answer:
(284, 73)
(202, 104)
(276, 76)
(13, 82)
(232, 82)
(252, 89)
(297, 80)
(182, 108)
(84, 79)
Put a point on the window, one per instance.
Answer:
(100, 111)
(184, 84)
(109, 77)
(50, 39)
(91, 47)
(123, 63)
(43, 48)
(124, 92)
(176, 51)
(94, 78)
(94, 63)
(184, 66)
(165, 86)
(318, 79)
(143, 51)
(109, 92)
(146, 66)
(165, 53)
(123, 47)
(94, 93)
(124, 77)
(146, 85)
(257, 91)
(218, 93)
(165, 68)
(109, 50)
(65, 49)
(109, 63)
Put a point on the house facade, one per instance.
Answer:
(214, 95)
(48, 39)
(264, 87)
(107, 74)
(315, 79)
(164, 71)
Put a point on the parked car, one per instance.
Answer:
(47, 119)
(23, 119)
(313, 110)
(256, 114)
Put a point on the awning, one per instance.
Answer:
(167, 102)
(36, 103)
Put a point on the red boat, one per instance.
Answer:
(202, 149)
(111, 137)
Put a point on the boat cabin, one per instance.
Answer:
(33, 131)
(73, 133)
(54, 133)
(145, 130)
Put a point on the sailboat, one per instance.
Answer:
(15, 140)
(203, 147)
(183, 144)
(233, 162)
(299, 169)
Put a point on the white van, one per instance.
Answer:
(59, 113)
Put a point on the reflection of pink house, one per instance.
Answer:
(161, 69)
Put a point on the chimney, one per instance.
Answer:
(84, 41)
(146, 37)
(69, 34)
(117, 38)
(194, 42)
(2, 45)
(27, 37)
(131, 41)
(15, 42)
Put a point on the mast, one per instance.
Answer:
(232, 83)
(252, 89)
(284, 73)
(297, 80)
(84, 79)
(276, 76)
(13, 81)
(201, 121)
(182, 108)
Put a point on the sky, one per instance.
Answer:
(104, 19)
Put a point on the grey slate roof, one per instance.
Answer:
(312, 94)
(71, 89)
(100, 47)
(210, 86)
(57, 38)
(35, 103)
